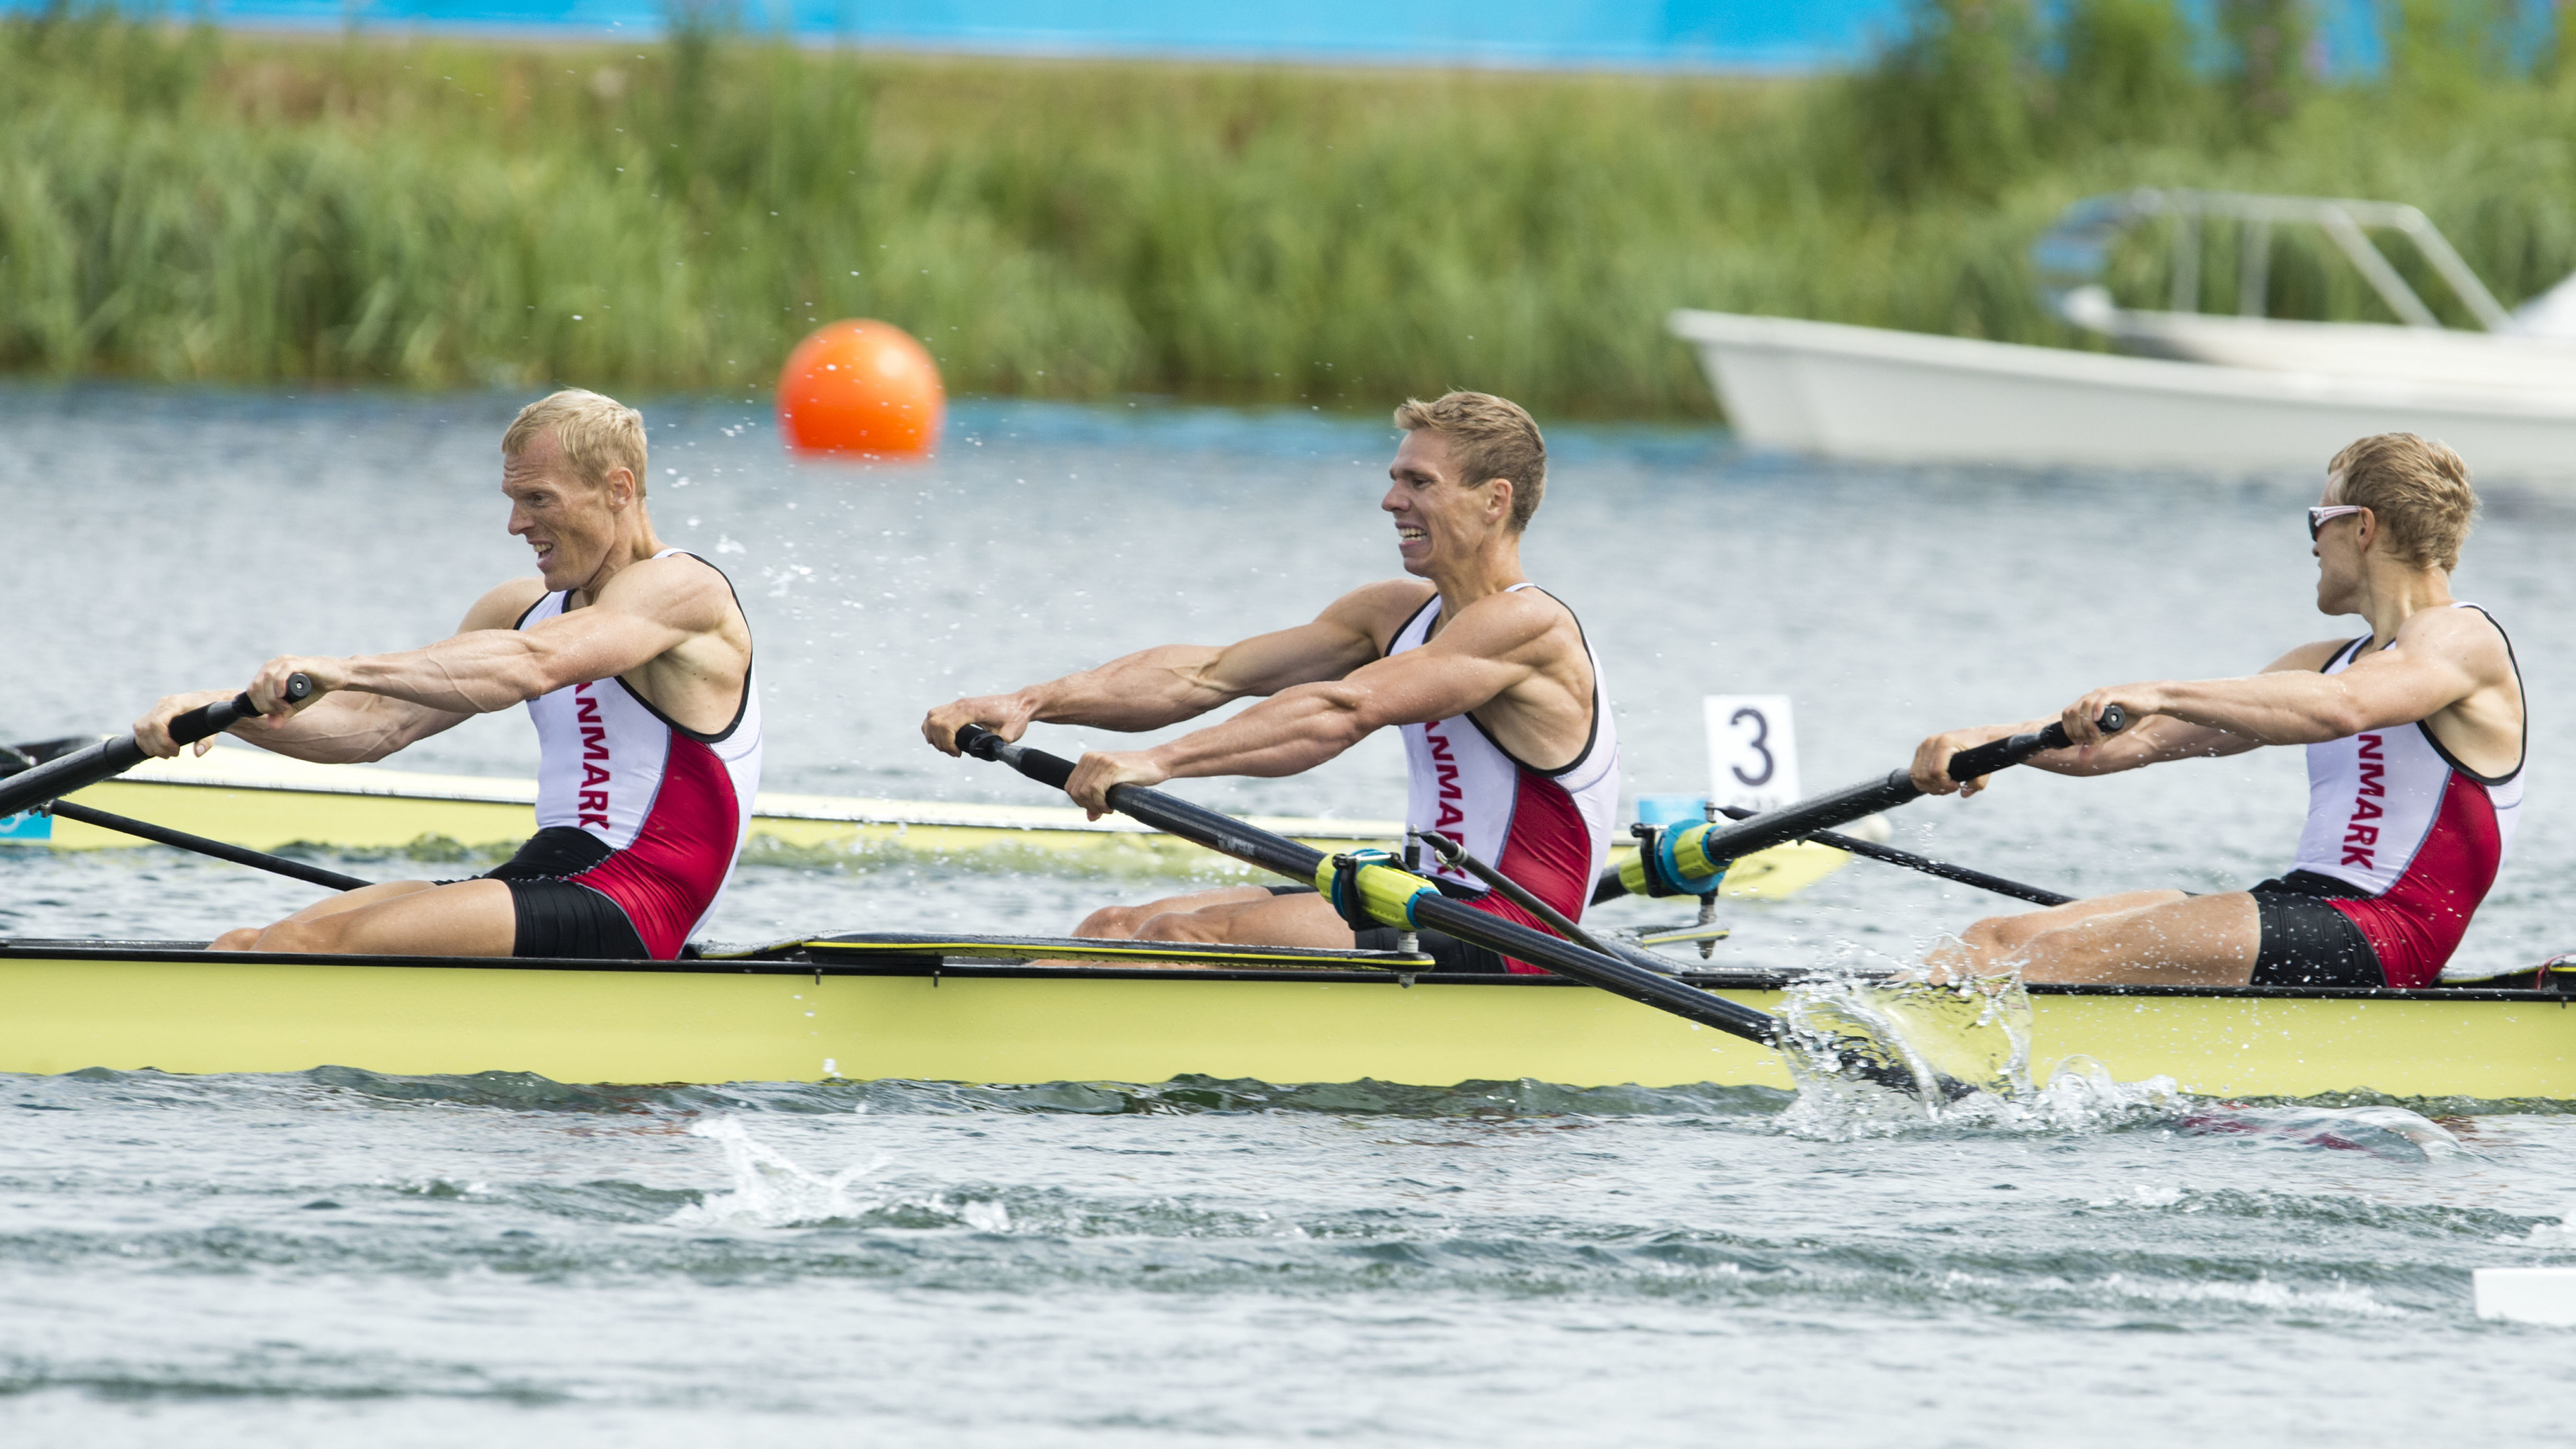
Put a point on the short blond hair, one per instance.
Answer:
(2417, 489)
(1489, 437)
(597, 433)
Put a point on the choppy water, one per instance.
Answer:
(334, 1256)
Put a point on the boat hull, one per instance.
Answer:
(1865, 392)
(923, 1017)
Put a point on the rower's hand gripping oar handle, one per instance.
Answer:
(209, 720)
(1691, 858)
(1993, 755)
(109, 758)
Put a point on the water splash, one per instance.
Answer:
(1874, 1048)
(772, 1191)
(1877, 1049)
(1860, 1041)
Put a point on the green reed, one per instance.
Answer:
(177, 203)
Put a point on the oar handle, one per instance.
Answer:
(112, 757)
(209, 720)
(1038, 765)
(1994, 755)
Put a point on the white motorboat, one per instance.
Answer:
(2247, 391)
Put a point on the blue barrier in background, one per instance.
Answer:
(1710, 34)
(1731, 35)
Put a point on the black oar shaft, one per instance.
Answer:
(1870, 850)
(1802, 820)
(1253, 846)
(112, 757)
(1858, 802)
(63, 774)
(238, 855)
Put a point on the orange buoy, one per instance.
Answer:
(861, 387)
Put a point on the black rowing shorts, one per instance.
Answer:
(559, 917)
(1448, 954)
(2307, 942)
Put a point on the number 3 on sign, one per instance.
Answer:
(1752, 751)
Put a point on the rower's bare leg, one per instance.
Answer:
(247, 938)
(1235, 916)
(408, 918)
(2139, 938)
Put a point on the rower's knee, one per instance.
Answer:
(245, 939)
(319, 936)
(1988, 934)
(1110, 923)
(1190, 926)
(2009, 933)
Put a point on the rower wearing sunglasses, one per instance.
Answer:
(2415, 735)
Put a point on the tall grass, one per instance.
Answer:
(178, 203)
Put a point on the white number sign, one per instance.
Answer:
(1752, 751)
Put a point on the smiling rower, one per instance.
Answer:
(635, 663)
(1506, 724)
(2415, 736)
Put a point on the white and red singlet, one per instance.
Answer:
(1548, 830)
(2392, 815)
(671, 805)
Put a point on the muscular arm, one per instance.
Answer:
(1173, 682)
(1464, 668)
(2156, 737)
(365, 707)
(2439, 658)
(344, 728)
(1492, 647)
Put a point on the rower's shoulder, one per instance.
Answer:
(1530, 609)
(2308, 658)
(675, 582)
(1516, 622)
(1383, 607)
(503, 605)
(2465, 631)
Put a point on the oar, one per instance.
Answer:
(238, 855)
(112, 757)
(1397, 896)
(1890, 855)
(1682, 859)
